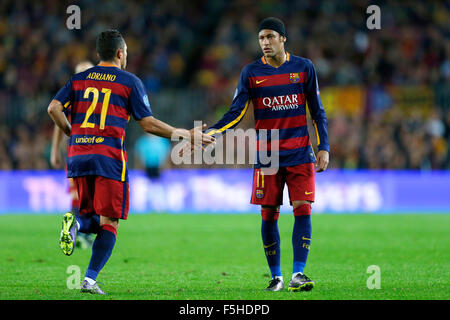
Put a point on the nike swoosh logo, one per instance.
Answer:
(306, 192)
(303, 238)
(260, 81)
(269, 245)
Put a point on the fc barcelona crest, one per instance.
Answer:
(294, 77)
(259, 193)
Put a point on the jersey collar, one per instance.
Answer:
(107, 64)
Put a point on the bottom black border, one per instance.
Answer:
(224, 309)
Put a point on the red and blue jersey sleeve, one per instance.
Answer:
(316, 108)
(238, 107)
(65, 94)
(139, 103)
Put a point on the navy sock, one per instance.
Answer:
(101, 250)
(301, 237)
(89, 223)
(271, 240)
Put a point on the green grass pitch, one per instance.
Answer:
(220, 257)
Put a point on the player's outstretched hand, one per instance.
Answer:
(323, 157)
(198, 139)
(186, 148)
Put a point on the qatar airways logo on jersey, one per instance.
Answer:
(290, 101)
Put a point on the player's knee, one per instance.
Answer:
(301, 208)
(270, 213)
(113, 222)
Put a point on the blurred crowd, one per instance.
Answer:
(203, 45)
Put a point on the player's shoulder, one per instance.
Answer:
(255, 64)
(123, 74)
(128, 74)
(252, 67)
(129, 77)
(302, 61)
(82, 75)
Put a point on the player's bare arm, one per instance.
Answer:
(55, 153)
(55, 110)
(162, 129)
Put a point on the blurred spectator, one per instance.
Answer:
(402, 70)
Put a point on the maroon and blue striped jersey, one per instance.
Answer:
(279, 97)
(100, 101)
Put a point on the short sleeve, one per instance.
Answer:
(64, 94)
(139, 103)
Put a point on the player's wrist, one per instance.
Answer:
(210, 132)
(324, 148)
(181, 133)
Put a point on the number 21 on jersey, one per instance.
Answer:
(93, 105)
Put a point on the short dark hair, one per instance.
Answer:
(274, 24)
(108, 42)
